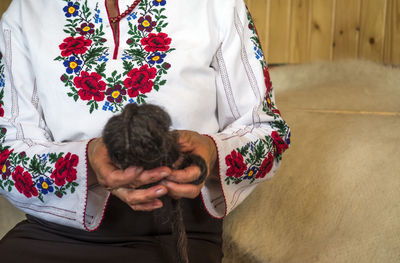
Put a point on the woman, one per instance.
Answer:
(68, 66)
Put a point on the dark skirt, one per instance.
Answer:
(124, 236)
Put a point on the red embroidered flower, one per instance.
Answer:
(23, 182)
(276, 111)
(1, 110)
(156, 42)
(280, 145)
(74, 45)
(266, 166)
(139, 80)
(4, 156)
(267, 80)
(90, 86)
(65, 169)
(236, 164)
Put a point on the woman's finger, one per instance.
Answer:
(134, 197)
(186, 175)
(177, 191)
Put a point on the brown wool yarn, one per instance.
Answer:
(141, 136)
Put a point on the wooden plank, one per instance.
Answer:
(393, 30)
(4, 5)
(278, 31)
(396, 33)
(387, 48)
(299, 31)
(321, 37)
(347, 29)
(372, 35)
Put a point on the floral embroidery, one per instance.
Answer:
(71, 9)
(146, 23)
(85, 56)
(86, 29)
(254, 160)
(268, 105)
(90, 86)
(35, 176)
(2, 84)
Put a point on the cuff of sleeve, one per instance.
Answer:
(95, 203)
(221, 197)
(212, 193)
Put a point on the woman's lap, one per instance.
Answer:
(35, 239)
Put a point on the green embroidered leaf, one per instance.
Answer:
(53, 157)
(281, 127)
(100, 69)
(156, 87)
(162, 82)
(128, 66)
(76, 97)
(41, 197)
(244, 150)
(36, 166)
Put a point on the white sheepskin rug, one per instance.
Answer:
(336, 197)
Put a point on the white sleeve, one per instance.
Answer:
(43, 178)
(252, 134)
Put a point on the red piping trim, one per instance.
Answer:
(87, 193)
(220, 181)
(116, 40)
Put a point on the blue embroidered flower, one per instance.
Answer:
(250, 173)
(104, 57)
(132, 16)
(44, 157)
(97, 18)
(132, 101)
(126, 56)
(106, 105)
(73, 65)
(156, 58)
(258, 52)
(2, 82)
(159, 2)
(288, 138)
(71, 9)
(45, 185)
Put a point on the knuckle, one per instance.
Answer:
(193, 193)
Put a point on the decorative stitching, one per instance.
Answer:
(226, 83)
(39, 206)
(249, 72)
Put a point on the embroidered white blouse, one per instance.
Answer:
(64, 74)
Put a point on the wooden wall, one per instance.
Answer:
(297, 31)
(3, 5)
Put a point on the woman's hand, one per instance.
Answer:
(179, 182)
(123, 183)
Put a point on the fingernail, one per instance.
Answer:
(164, 174)
(160, 191)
